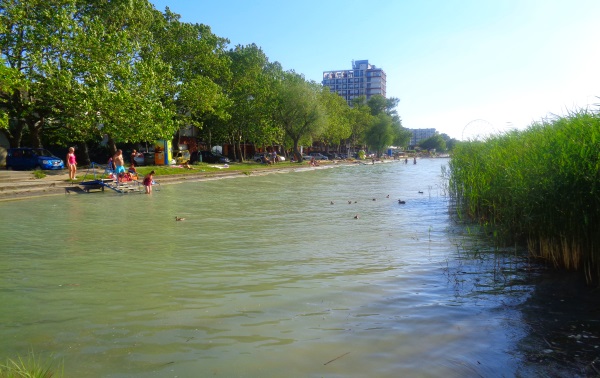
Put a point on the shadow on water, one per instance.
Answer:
(554, 315)
(563, 317)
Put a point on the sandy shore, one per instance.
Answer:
(21, 185)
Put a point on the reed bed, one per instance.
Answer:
(539, 187)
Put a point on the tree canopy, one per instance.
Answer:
(83, 71)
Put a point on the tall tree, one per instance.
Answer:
(381, 133)
(249, 91)
(10, 82)
(31, 42)
(125, 77)
(299, 110)
(360, 121)
(436, 142)
(87, 70)
(380, 105)
(199, 66)
(338, 119)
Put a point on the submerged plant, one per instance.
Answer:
(30, 367)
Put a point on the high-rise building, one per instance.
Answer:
(421, 134)
(363, 79)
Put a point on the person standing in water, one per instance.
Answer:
(72, 163)
(148, 180)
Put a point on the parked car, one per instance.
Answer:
(144, 158)
(259, 157)
(32, 158)
(332, 156)
(318, 156)
(213, 157)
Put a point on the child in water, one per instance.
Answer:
(148, 180)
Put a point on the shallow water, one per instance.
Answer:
(264, 278)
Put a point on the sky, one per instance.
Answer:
(467, 68)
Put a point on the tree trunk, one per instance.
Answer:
(83, 156)
(13, 134)
(34, 132)
(238, 149)
(297, 154)
(112, 146)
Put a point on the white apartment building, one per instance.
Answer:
(420, 134)
(363, 79)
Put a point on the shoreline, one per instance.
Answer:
(21, 185)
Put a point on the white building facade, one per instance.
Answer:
(420, 134)
(363, 79)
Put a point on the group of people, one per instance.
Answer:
(270, 158)
(117, 165)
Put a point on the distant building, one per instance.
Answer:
(363, 79)
(420, 134)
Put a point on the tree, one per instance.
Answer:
(381, 133)
(10, 82)
(249, 90)
(435, 142)
(360, 120)
(298, 109)
(126, 78)
(402, 136)
(377, 132)
(199, 68)
(31, 37)
(88, 70)
(379, 104)
(338, 119)
(450, 142)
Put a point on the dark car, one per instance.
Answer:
(318, 156)
(212, 157)
(144, 158)
(32, 158)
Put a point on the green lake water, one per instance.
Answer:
(264, 278)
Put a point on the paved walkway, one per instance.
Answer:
(18, 184)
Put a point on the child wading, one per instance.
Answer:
(148, 179)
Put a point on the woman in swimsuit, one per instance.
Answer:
(72, 163)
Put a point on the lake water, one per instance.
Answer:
(265, 278)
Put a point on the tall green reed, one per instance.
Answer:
(538, 187)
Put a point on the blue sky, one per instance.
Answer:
(463, 67)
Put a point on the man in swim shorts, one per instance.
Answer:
(119, 163)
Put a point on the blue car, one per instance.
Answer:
(32, 158)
